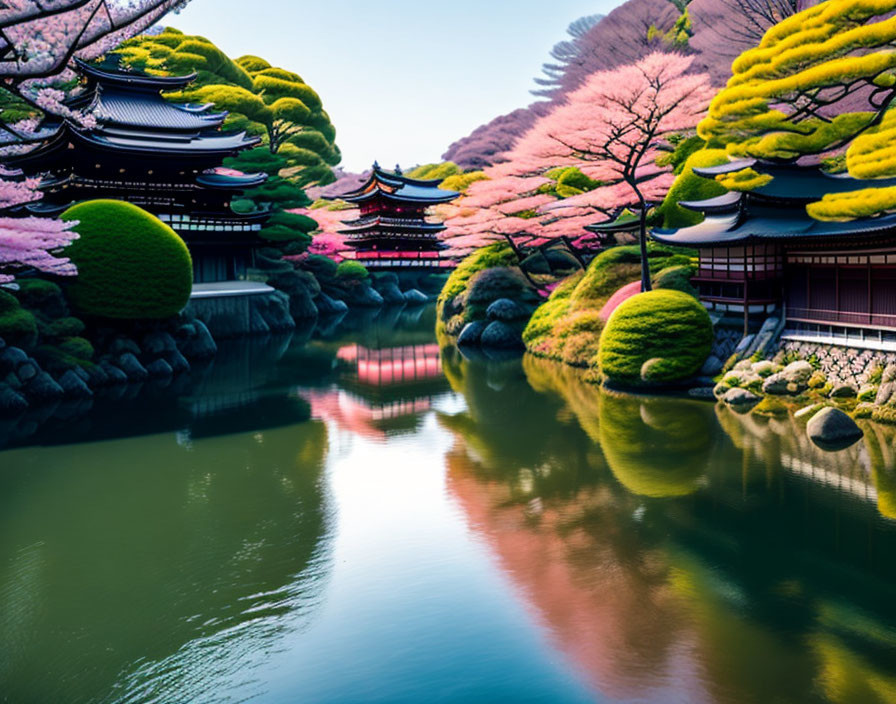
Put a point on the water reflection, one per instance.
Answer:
(161, 560)
(693, 554)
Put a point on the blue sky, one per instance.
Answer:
(400, 79)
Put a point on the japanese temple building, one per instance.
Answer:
(761, 253)
(393, 230)
(161, 156)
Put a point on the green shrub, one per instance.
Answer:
(17, 326)
(42, 296)
(663, 325)
(690, 186)
(352, 270)
(77, 347)
(488, 257)
(63, 327)
(676, 278)
(322, 267)
(131, 265)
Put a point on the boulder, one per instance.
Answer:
(720, 389)
(386, 284)
(776, 385)
(500, 335)
(11, 358)
(155, 343)
(74, 386)
(744, 365)
(113, 373)
(132, 368)
(764, 368)
(415, 297)
(506, 310)
(831, 429)
(43, 388)
(327, 305)
(740, 398)
(712, 366)
(177, 362)
(202, 345)
(798, 373)
(120, 345)
(159, 369)
(97, 376)
(843, 391)
(273, 310)
(362, 295)
(27, 371)
(472, 333)
(11, 402)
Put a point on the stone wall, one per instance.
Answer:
(847, 365)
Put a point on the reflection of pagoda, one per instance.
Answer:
(158, 155)
(393, 230)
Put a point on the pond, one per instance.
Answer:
(362, 515)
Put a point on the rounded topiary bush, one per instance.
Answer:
(131, 265)
(666, 334)
(352, 270)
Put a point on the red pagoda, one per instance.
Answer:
(162, 156)
(393, 230)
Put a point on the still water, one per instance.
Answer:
(359, 515)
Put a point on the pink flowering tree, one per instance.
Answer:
(38, 41)
(612, 129)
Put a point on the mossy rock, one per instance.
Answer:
(352, 271)
(676, 278)
(131, 265)
(17, 326)
(499, 254)
(668, 326)
(43, 297)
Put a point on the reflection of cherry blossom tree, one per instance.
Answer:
(611, 129)
(38, 41)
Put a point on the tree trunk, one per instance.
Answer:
(642, 240)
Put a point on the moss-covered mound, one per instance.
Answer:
(131, 265)
(658, 337)
(17, 325)
(568, 326)
(490, 273)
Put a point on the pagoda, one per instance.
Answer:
(393, 230)
(760, 254)
(161, 156)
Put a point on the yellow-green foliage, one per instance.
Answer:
(689, 186)
(668, 326)
(743, 180)
(766, 109)
(17, 325)
(435, 171)
(568, 326)
(657, 448)
(461, 182)
(352, 270)
(131, 265)
(494, 255)
(854, 204)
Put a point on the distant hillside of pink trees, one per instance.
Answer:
(720, 30)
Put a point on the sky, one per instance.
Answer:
(400, 79)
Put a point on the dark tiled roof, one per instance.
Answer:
(720, 204)
(215, 143)
(399, 188)
(139, 109)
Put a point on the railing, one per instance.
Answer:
(855, 319)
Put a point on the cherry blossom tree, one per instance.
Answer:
(612, 130)
(38, 41)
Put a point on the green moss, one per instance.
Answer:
(352, 270)
(77, 347)
(499, 254)
(676, 278)
(667, 325)
(131, 265)
(771, 407)
(63, 327)
(17, 326)
(567, 327)
(488, 285)
(689, 186)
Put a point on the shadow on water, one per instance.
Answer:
(677, 551)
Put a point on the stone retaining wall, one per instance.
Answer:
(847, 365)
